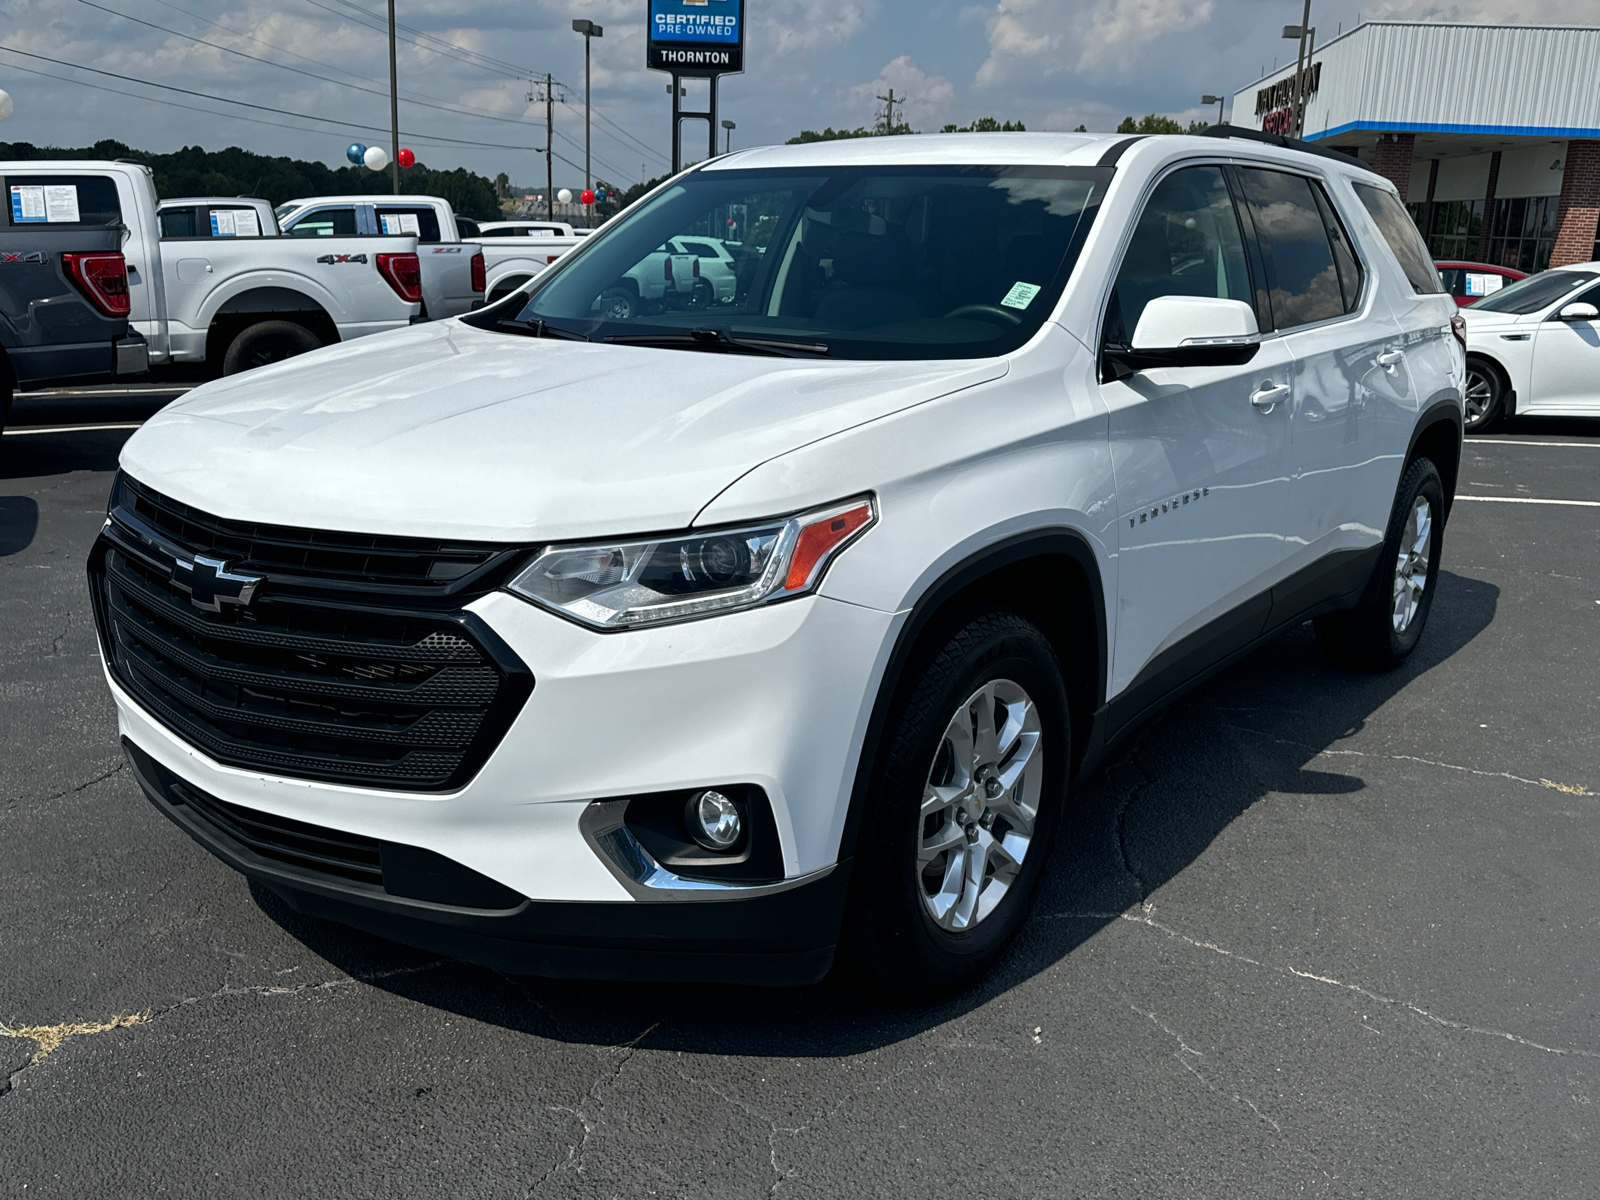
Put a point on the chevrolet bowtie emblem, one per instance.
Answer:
(211, 585)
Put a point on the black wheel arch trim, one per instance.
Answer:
(1043, 543)
(1444, 410)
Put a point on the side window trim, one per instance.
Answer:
(1314, 180)
(1255, 257)
(1339, 227)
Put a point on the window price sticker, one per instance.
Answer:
(1483, 283)
(42, 203)
(394, 223)
(1021, 295)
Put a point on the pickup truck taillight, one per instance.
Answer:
(404, 273)
(102, 278)
(480, 273)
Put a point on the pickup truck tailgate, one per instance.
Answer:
(447, 289)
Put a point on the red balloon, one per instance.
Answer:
(586, 196)
(407, 159)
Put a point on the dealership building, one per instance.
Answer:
(1491, 132)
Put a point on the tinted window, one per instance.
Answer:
(869, 262)
(1344, 255)
(1187, 243)
(325, 222)
(1302, 280)
(1535, 293)
(1389, 215)
(700, 249)
(427, 222)
(61, 201)
(178, 223)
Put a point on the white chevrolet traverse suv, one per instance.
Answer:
(625, 641)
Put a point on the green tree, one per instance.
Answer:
(987, 125)
(1081, 129)
(1151, 123)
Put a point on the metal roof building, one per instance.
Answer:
(1491, 132)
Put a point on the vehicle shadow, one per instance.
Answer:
(26, 455)
(1134, 825)
(1578, 427)
(19, 521)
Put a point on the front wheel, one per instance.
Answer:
(1486, 396)
(962, 807)
(619, 304)
(1383, 629)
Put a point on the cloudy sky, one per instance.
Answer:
(464, 67)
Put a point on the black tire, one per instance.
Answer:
(1486, 395)
(891, 936)
(1368, 637)
(267, 342)
(703, 296)
(618, 304)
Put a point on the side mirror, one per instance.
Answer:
(1579, 311)
(1187, 331)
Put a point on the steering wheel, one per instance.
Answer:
(987, 312)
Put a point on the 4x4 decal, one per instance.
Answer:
(35, 256)
(342, 258)
(1155, 510)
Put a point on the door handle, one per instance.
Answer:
(1391, 358)
(1269, 396)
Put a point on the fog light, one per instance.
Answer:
(713, 820)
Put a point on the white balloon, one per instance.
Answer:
(376, 158)
(6, 106)
(564, 195)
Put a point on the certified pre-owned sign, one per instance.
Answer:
(696, 37)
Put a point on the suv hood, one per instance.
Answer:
(445, 430)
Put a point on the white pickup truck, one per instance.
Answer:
(453, 270)
(233, 302)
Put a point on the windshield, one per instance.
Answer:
(914, 262)
(1534, 293)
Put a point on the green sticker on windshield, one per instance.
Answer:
(1021, 295)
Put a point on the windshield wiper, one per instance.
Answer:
(720, 341)
(539, 328)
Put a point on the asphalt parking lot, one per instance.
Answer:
(1312, 933)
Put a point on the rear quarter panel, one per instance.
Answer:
(48, 330)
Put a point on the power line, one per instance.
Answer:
(258, 107)
(457, 51)
(454, 111)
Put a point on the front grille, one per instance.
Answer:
(376, 688)
(417, 566)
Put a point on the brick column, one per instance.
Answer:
(1487, 231)
(1579, 210)
(1392, 160)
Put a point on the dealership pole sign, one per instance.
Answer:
(696, 37)
(700, 39)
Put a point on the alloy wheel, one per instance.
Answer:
(980, 805)
(1479, 396)
(1411, 567)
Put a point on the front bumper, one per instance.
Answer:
(776, 698)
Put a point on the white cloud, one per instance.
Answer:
(1101, 38)
(792, 25)
(927, 97)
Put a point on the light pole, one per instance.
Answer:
(1218, 101)
(394, 110)
(1301, 32)
(589, 30)
(730, 127)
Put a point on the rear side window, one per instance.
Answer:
(233, 222)
(1187, 243)
(423, 222)
(61, 201)
(178, 223)
(1398, 229)
(1302, 278)
(326, 222)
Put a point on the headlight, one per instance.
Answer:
(621, 585)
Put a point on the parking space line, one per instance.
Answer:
(1477, 441)
(1530, 500)
(70, 428)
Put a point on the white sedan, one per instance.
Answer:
(1533, 348)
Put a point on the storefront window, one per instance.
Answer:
(1523, 233)
(1457, 226)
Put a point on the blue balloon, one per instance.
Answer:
(355, 153)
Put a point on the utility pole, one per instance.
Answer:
(890, 100)
(591, 31)
(548, 87)
(394, 109)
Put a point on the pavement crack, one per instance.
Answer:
(1566, 788)
(48, 1038)
(1189, 1057)
(1142, 916)
(1120, 819)
(122, 765)
(577, 1155)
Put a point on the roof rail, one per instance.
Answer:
(1278, 139)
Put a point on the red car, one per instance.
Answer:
(1470, 281)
